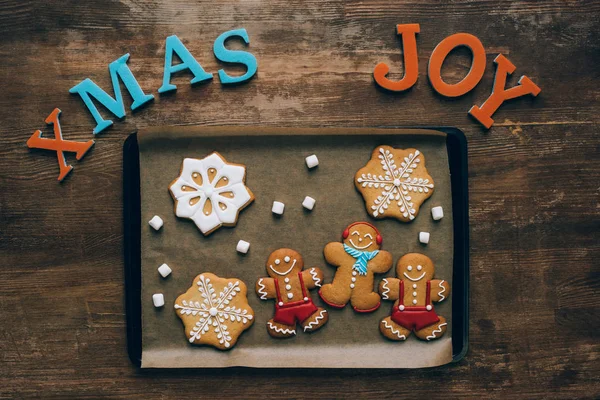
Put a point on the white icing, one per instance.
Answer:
(428, 307)
(415, 301)
(414, 294)
(401, 307)
(290, 295)
(286, 259)
(419, 267)
(352, 286)
(208, 192)
(280, 303)
(441, 285)
(288, 287)
(414, 285)
(353, 279)
(277, 261)
(305, 299)
(409, 268)
(315, 278)
(286, 280)
(262, 289)
(283, 273)
(354, 272)
(281, 330)
(360, 247)
(316, 321)
(394, 331)
(392, 185)
(413, 279)
(214, 310)
(438, 330)
(386, 289)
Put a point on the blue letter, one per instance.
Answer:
(118, 69)
(187, 62)
(234, 56)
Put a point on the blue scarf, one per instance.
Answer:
(362, 258)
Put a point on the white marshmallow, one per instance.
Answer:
(424, 237)
(312, 161)
(242, 246)
(164, 270)
(158, 299)
(156, 222)
(308, 203)
(278, 207)
(437, 213)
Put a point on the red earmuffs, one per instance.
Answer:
(346, 232)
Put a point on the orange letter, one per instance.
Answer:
(58, 144)
(499, 95)
(441, 52)
(411, 62)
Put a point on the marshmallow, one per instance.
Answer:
(424, 237)
(242, 246)
(308, 203)
(437, 213)
(164, 270)
(156, 222)
(158, 299)
(312, 161)
(278, 207)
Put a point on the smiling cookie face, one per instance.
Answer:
(362, 237)
(283, 262)
(415, 267)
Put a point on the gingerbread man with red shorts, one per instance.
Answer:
(288, 284)
(414, 293)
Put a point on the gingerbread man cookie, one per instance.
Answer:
(214, 311)
(395, 191)
(414, 293)
(288, 284)
(358, 258)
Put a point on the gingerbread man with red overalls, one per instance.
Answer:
(414, 293)
(289, 284)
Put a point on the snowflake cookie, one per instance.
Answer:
(392, 190)
(211, 192)
(214, 311)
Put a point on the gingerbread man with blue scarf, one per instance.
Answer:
(357, 259)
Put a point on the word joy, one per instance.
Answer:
(119, 70)
(499, 94)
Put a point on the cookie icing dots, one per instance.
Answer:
(211, 192)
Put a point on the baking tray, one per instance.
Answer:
(457, 162)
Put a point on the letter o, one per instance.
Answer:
(439, 55)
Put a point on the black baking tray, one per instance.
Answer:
(457, 158)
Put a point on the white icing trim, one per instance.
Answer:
(286, 272)
(359, 247)
(261, 289)
(441, 284)
(281, 330)
(415, 280)
(394, 331)
(316, 321)
(315, 278)
(438, 330)
(392, 185)
(386, 289)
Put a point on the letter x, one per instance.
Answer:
(58, 144)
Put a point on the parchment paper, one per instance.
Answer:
(276, 170)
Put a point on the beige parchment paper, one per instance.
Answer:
(276, 170)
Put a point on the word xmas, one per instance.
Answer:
(118, 69)
(499, 94)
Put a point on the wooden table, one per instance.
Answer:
(534, 182)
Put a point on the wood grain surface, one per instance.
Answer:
(534, 182)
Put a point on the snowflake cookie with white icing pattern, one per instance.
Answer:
(394, 183)
(211, 192)
(215, 311)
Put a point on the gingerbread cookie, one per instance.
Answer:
(211, 192)
(414, 293)
(214, 311)
(288, 284)
(358, 258)
(395, 191)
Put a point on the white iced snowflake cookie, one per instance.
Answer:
(215, 311)
(394, 183)
(211, 192)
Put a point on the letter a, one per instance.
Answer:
(118, 69)
(173, 44)
(499, 94)
(411, 61)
